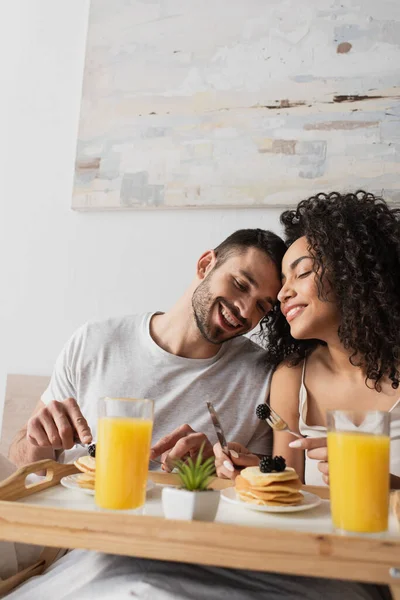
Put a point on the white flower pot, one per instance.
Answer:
(181, 504)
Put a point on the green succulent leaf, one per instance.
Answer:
(195, 475)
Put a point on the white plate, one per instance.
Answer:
(71, 482)
(310, 501)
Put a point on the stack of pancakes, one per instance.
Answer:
(87, 466)
(269, 489)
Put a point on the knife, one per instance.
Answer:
(77, 442)
(218, 429)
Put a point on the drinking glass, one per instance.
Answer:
(359, 453)
(122, 452)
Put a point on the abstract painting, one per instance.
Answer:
(237, 103)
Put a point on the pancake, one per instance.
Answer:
(85, 477)
(86, 464)
(266, 496)
(284, 486)
(254, 476)
(85, 480)
(294, 498)
(269, 489)
(270, 502)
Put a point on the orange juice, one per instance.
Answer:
(359, 481)
(122, 462)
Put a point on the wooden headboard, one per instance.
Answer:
(22, 394)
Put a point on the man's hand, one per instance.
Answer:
(57, 425)
(179, 444)
(240, 457)
(316, 449)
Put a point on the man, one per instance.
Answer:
(180, 359)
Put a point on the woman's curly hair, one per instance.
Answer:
(355, 242)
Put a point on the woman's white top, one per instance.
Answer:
(312, 476)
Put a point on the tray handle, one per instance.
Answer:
(47, 557)
(15, 486)
(7, 585)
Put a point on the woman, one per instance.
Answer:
(338, 337)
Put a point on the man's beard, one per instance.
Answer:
(203, 303)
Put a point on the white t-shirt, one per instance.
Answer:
(118, 357)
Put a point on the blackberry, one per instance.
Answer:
(279, 464)
(269, 464)
(266, 464)
(263, 411)
(92, 450)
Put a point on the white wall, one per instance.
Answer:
(60, 268)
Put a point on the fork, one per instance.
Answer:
(278, 424)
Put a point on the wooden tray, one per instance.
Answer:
(302, 545)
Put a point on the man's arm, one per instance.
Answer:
(182, 442)
(51, 427)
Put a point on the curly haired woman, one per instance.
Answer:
(337, 338)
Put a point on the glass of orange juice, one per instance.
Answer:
(122, 452)
(359, 453)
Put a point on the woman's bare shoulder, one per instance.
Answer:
(285, 386)
(287, 372)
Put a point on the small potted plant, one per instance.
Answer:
(193, 500)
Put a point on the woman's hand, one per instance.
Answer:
(240, 457)
(316, 449)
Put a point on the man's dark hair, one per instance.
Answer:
(243, 239)
(354, 240)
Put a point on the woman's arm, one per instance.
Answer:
(229, 467)
(317, 450)
(284, 398)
